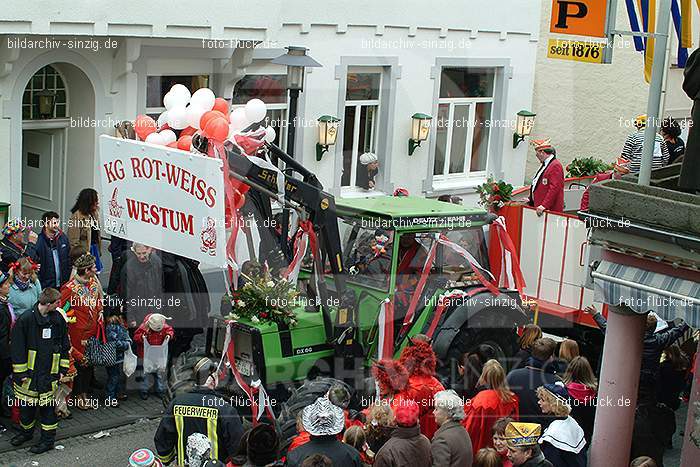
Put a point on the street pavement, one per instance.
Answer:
(108, 451)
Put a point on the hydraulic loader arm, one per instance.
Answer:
(318, 206)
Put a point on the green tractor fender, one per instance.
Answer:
(482, 317)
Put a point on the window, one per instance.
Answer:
(158, 86)
(463, 122)
(48, 78)
(368, 265)
(272, 90)
(360, 122)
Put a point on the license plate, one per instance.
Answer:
(244, 367)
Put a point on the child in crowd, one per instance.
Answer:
(155, 331)
(488, 457)
(355, 437)
(115, 330)
(25, 287)
(499, 439)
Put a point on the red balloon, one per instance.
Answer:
(217, 129)
(208, 116)
(184, 143)
(144, 126)
(221, 105)
(172, 144)
(189, 131)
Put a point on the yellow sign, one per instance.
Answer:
(578, 51)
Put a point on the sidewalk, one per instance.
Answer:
(104, 418)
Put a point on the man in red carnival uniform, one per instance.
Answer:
(620, 168)
(420, 361)
(547, 189)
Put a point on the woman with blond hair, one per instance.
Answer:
(380, 424)
(563, 443)
(531, 332)
(582, 385)
(489, 405)
(568, 349)
(25, 287)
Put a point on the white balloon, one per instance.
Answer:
(255, 110)
(270, 134)
(163, 119)
(155, 138)
(169, 100)
(238, 118)
(180, 89)
(194, 114)
(168, 136)
(231, 132)
(177, 117)
(203, 97)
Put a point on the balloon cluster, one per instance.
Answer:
(201, 112)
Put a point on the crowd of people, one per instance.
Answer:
(58, 324)
(539, 414)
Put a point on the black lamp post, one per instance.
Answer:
(296, 60)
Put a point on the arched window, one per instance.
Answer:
(49, 79)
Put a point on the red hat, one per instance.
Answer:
(541, 144)
(406, 413)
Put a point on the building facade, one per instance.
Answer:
(588, 109)
(470, 66)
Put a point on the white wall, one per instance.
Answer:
(331, 30)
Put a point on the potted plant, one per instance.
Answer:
(587, 166)
(493, 195)
(262, 299)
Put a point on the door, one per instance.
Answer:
(42, 173)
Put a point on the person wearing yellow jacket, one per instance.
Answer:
(39, 346)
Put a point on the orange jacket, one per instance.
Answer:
(422, 389)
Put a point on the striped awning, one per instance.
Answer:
(643, 291)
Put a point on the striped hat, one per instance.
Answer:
(541, 144)
(12, 227)
(144, 458)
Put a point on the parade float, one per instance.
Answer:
(336, 285)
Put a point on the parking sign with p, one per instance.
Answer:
(579, 17)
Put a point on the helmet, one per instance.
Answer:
(204, 368)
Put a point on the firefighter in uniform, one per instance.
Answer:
(200, 410)
(39, 347)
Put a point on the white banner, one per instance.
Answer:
(162, 197)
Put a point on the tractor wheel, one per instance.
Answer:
(182, 378)
(304, 395)
(499, 344)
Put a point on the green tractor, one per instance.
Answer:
(371, 249)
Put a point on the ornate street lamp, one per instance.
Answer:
(420, 129)
(327, 134)
(523, 126)
(296, 61)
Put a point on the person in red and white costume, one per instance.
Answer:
(620, 168)
(547, 189)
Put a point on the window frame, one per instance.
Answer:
(435, 185)
(159, 110)
(284, 107)
(30, 87)
(358, 105)
(390, 71)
